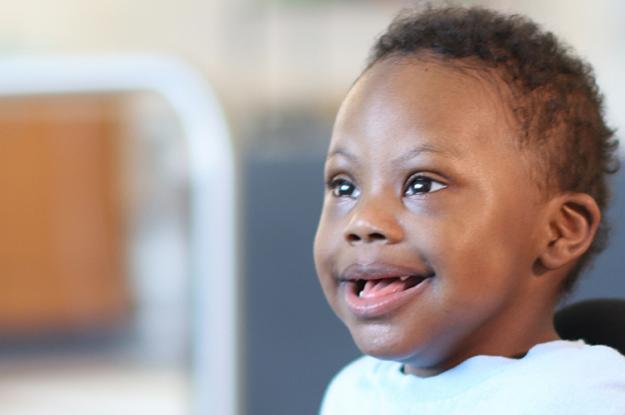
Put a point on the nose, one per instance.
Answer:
(373, 222)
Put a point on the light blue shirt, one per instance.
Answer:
(559, 377)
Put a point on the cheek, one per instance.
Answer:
(329, 235)
(322, 242)
(474, 254)
(324, 250)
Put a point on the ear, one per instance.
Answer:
(573, 221)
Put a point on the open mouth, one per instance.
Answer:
(375, 288)
(372, 297)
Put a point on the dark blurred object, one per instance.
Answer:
(600, 321)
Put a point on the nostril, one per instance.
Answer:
(351, 237)
(376, 236)
(370, 237)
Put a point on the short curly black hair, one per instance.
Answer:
(555, 98)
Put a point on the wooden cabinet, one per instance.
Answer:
(62, 253)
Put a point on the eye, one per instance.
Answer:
(342, 187)
(421, 184)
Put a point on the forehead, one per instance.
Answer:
(401, 101)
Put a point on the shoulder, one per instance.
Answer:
(576, 377)
(354, 385)
(566, 357)
(597, 368)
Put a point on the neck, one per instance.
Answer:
(512, 335)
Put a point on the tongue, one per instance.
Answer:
(380, 288)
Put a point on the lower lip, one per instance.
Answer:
(366, 308)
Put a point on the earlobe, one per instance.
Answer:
(573, 222)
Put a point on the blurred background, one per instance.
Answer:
(101, 311)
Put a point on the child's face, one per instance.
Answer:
(425, 181)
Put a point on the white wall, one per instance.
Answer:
(263, 54)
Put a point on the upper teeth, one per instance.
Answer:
(404, 278)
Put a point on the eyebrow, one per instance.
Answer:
(416, 151)
(340, 151)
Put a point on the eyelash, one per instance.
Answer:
(337, 184)
(431, 182)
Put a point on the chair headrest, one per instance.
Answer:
(598, 321)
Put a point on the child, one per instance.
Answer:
(465, 185)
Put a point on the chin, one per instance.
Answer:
(382, 342)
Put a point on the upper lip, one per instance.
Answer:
(376, 271)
